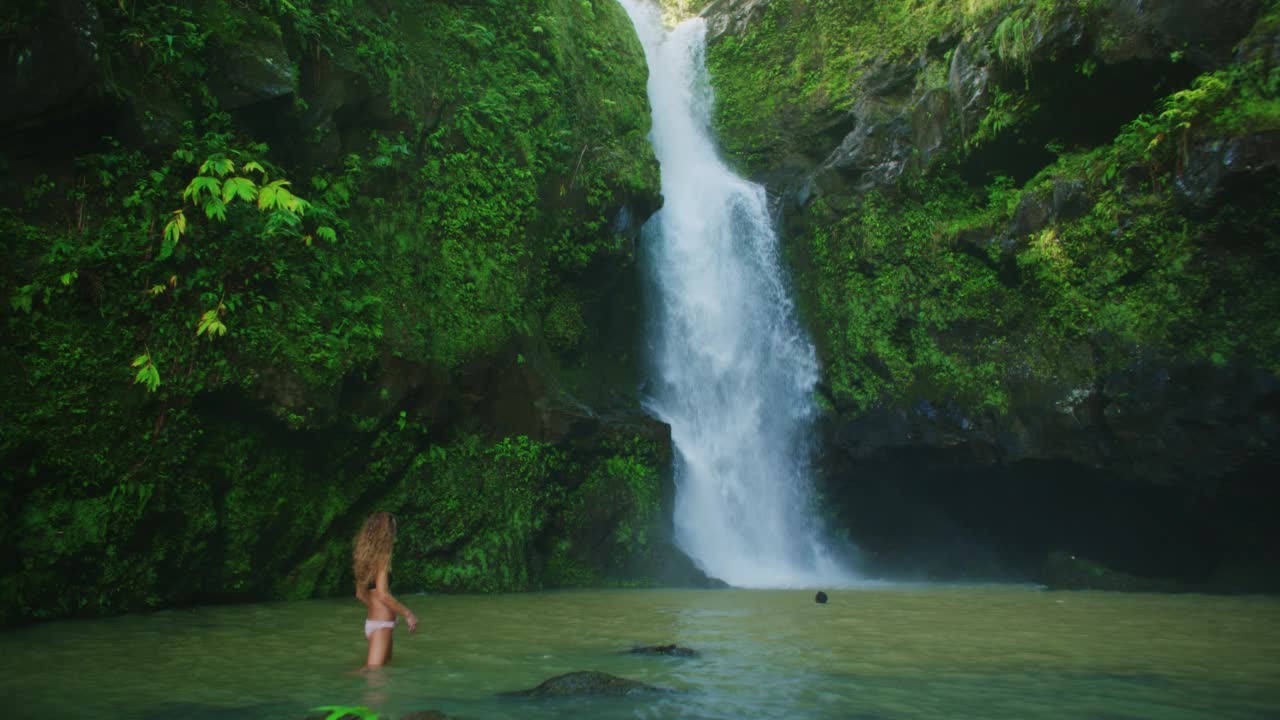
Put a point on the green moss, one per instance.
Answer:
(902, 309)
(500, 141)
(930, 289)
(563, 325)
(798, 63)
(521, 515)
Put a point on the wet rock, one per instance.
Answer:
(888, 78)
(1070, 200)
(52, 69)
(930, 123)
(664, 650)
(1212, 163)
(587, 683)
(874, 154)
(732, 17)
(341, 107)
(970, 81)
(1031, 216)
(1204, 30)
(263, 70)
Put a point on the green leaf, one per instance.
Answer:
(174, 229)
(210, 325)
(267, 195)
(324, 232)
(213, 186)
(240, 187)
(220, 166)
(21, 300)
(215, 209)
(148, 374)
(68, 278)
(276, 195)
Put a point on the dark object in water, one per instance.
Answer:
(587, 682)
(667, 650)
(820, 598)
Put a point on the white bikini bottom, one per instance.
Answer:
(371, 625)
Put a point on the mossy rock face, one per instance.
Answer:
(953, 271)
(1025, 235)
(474, 177)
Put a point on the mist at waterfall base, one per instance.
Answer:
(731, 370)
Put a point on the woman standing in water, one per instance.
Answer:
(372, 563)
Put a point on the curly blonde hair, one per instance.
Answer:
(373, 548)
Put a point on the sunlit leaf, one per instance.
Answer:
(148, 374)
(211, 185)
(324, 232)
(269, 196)
(219, 166)
(239, 187)
(253, 166)
(210, 325)
(174, 229)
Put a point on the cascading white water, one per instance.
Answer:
(733, 371)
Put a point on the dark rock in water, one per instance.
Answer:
(586, 683)
(667, 650)
(820, 598)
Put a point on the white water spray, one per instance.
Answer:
(733, 373)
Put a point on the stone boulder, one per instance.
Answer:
(585, 683)
(263, 70)
(664, 651)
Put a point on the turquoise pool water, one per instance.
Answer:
(891, 652)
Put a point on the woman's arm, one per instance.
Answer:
(382, 591)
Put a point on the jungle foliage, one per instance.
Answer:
(203, 297)
(937, 286)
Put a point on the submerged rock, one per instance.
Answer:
(585, 683)
(666, 650)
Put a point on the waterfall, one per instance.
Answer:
(732, 372)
